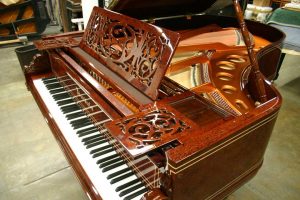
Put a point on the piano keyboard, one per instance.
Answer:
(111, 176)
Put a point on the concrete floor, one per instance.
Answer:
(32, 167)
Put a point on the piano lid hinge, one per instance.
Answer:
(151, 21)
(188, 17)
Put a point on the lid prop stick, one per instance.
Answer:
(254, 64)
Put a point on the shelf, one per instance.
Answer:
(30, 35)
(19, 22)
(36, 22)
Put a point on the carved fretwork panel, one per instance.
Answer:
(137, 51)
(59, 42)
(151, 129)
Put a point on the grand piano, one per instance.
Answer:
(173, 108)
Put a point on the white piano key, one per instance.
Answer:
(115, 169)
(97, 177)
(96, 132)
(98, 146)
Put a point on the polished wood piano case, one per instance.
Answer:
(127, 125)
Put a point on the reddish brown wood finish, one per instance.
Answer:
(205, 151)
(221, 75)
(39, 64)
(74, 34)
(136, 51)
(115, 82)
(62, 64)
(151, 129)
(249, 45)
(59, 42)
(155, 194)
(222, 157)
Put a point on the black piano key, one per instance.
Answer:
(82, 120)
(49, 81)
(115, 174)
(86, 129)
(61, 96)
(79, 121)
(57, 91)
(102, 152)
(100, 149)
(75, 115)
(126, 185)
(67, 107)
(70, 108)
(113, 166)
(53, 86)
(131, 196)
(105, 164)
(131, 189)
(96, 143)
(81, 125)
(94, 140)
(88, 132)
(93, 137)
(102, 160)
(119, 178)
(65, 102)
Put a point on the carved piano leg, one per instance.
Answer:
(40, 64)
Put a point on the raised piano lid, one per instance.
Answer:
(148, 9)
(138, 52)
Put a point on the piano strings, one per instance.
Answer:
(151, 178)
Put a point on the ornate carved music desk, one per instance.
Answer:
(145, 112)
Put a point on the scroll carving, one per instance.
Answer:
(56, 43)
(39, 63)
(150, 129)
(135, 50)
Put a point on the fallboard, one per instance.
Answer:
(62, 65)
(138, 52)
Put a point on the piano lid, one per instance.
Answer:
(147, 9)
(137, 51)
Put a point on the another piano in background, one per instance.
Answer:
(136, 123)
(25, 18)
